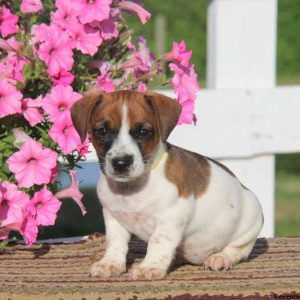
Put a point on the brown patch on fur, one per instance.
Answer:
(81, 112)
(189, 171)
(167, 112)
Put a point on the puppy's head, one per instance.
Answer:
(126, 129)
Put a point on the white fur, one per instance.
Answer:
(218, 229)
(124, 145)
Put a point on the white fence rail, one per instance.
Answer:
(243, 119)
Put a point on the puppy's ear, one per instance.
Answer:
(82, 110)
(167, 112)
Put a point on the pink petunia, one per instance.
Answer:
(73, 192)
(5, 45)
(135, 8)
(8, 22)
(32, 110)
(109, 28)
(185, 81)
(142, 88)
(185, 84)
(29, 230)
(65, 15)
(17, 63)
(59, 101)
(62, 78)
(105, 83)
(140, 61)
(11, 67)
(64, 134)
(32, 164)
(12, 206)
(90, 11)
(40, 33)
(83, 148)
(43, 207)
(56, 51)
(84, 38)
(179, 53)
(31, 6)
(187, 114)
(10, 99)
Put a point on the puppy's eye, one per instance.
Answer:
(142, 133)
(101, 132)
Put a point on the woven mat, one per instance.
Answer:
(60, 271)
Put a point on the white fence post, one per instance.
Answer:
(242, 54)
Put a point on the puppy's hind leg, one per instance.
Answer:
(235, 251)
(227, 257)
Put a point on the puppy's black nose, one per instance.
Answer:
(122, 163)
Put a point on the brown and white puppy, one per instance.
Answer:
(176, 200)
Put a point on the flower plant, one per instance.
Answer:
(51, 52)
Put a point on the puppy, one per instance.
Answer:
(178, 201)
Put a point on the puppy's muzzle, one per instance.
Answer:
(122, 164)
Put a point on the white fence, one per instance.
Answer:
(243, 119)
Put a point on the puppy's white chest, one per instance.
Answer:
(140, 211)
(138, 223)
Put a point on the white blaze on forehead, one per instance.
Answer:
(125, 145)
(124, 141)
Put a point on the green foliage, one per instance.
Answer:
(288, 51)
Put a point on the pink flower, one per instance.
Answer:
(83, 148)
(187, 114)
(17, 63)
(65, 15)
(56, 51)
(11, 67)
(142, 88)
(32, 164)
(85, 38)
(73, 192)
(32, 110)
(8, 22)
(41, 32)
(105, 83)
(64, 134)
(108, 28)
(43, 207)
(132, 7)
(185, 83)
(12, 205)
(31, 6)
(9, 99)
(5, 45)
(179, 53)
(141, 60)
(89, 11)
(29, 230)
(63, 78)
(59, 101)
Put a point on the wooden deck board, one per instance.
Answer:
(60, 271)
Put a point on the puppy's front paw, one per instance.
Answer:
(106, 269)
(147, 273)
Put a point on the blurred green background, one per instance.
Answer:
(187, 20)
